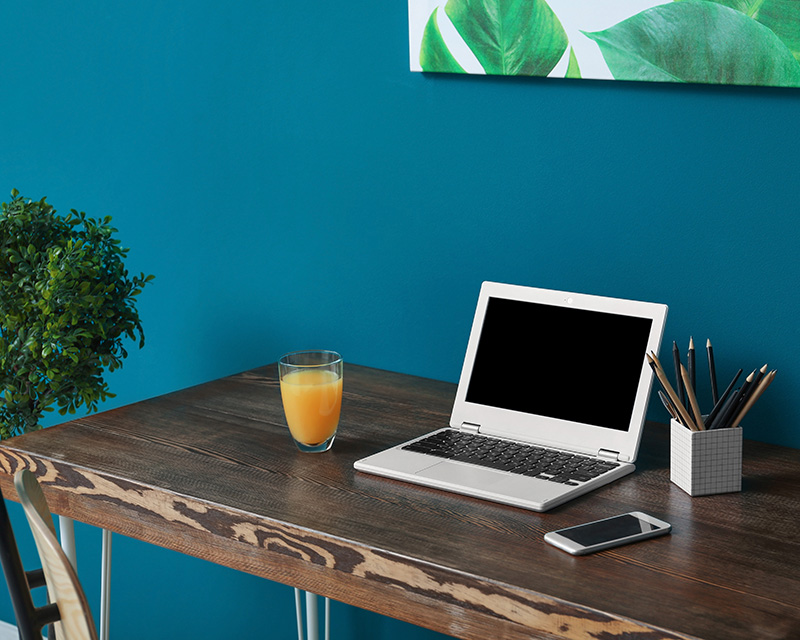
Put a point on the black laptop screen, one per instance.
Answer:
(560, 362)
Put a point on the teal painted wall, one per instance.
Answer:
(292, 184)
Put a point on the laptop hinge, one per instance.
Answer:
(607, 453)
(470, 427)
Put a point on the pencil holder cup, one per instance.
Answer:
(705, 462)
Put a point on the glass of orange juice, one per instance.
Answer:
(311, 389)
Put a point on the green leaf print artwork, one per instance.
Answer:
(741, 42)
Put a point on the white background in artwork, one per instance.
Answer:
(575, 16)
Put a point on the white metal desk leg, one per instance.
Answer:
(312, 624)
(105, 586)
(298, 607)
(312, 615)
(327, 619)
(67, 528)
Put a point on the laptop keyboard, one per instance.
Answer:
(506, 455)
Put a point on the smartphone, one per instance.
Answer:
(607, 533)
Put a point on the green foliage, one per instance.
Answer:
(66, 303)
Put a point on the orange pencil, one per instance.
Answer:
(698, 417)
(762, 386)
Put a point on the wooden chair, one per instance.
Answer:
(30, 619)
(64, 590)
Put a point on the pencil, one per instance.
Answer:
(762, 386)
(710, 421)
(741, 398)
(698, 417)
(668, 405)
(712, 372)
(685, 418)
(761, 372)
(690, 362)
(676, 357)
(752, 383)
(724, 415)
(669, 395)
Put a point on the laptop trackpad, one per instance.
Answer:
(462, 476)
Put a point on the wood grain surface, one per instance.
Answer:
(211, 471)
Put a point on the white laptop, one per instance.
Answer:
(550, 404)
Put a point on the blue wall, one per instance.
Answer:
(292, 184)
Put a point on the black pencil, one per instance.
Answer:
(690, 369)
(710, 421)
(712, 372)
(749, 386)
(668, 405)
(760, 375)
(729, 409)
(676, 356)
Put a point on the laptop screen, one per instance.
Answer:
(560, 362)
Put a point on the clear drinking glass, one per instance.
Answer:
(311, 389)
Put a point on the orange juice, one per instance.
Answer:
(312, 401)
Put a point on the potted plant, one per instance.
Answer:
(66, 304)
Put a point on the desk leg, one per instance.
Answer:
(105, 586)
(327, 619)
(67, 528)
(298, 607)
(312, 615)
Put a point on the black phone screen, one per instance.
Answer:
(605, 530)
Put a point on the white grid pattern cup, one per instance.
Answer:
(705, 462)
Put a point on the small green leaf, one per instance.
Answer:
(573, 70)
(434, 54)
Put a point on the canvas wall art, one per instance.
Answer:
(742, 42)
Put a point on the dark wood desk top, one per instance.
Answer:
(212, 472)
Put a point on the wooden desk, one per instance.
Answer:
(212, 472)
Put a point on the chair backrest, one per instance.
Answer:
(63, 587)
(20, 583)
